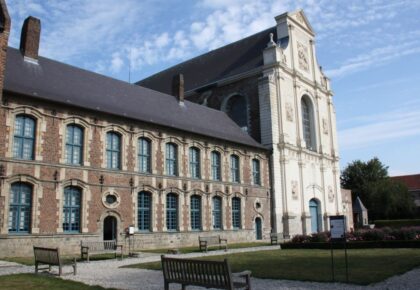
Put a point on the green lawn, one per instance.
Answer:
(195, 249)
(41, 282)
(365, 266)
(29, 261)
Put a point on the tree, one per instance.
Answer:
(383, 197)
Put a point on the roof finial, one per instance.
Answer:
(271, 43)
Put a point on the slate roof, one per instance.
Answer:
(233, 59)
(358, 205)
(61, 83)
(412, 181)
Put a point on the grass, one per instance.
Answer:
(195, 249)
(41, 282)
(366, 266)
(29, 261)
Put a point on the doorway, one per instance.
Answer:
(110, 228)
(258, 228)
(315, 212)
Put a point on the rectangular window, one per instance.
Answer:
(71, 209)
(113, 150)
(195, 163)
(236, 212)
(171, 212)
(215, 165)
(20, 208)
(144, 208)
(74, 145)
(256, 175)
(144, 155)
(217, 213)
(24, 138)
(171, 159)
(195, 209)
(234, 166)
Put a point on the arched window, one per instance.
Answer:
(217, 213)
(20, 208)
(113, 150)
(195, 210)
(215, 165)
(195, 162)
(24, 137)
(236, 212)
(71, 209)
(171, 159)
(234, 168)
(74, 145)
(237, 109)
(171, 212)
(308, 123)
(144, 203)
(256, 174)
(144, 155)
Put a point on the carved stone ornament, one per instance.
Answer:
(289, 112)
(295, 190)
(271, 77)
(325, 126)
(330, 194)
(324, 82)
(303, 57)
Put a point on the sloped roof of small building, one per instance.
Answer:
(233, 59)
(358, 205)
(61, 83)
(412, 181)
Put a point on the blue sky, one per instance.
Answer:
(370, 50)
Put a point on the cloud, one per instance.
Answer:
(384, 127)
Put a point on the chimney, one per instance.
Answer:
(178, 87)
(29, 39)
(4, 39)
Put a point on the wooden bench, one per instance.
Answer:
(276, 238)
(103, 247)
(50, 257)
(209, 274)
(205, 242)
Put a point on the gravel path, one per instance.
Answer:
(107, 273)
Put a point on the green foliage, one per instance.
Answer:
(383, 197)
(397, 223)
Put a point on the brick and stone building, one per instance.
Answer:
(271, 84)
(84, 157)
(413, 184)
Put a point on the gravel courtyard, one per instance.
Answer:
(107, 273)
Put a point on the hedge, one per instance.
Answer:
(353, 245)
(397, 223)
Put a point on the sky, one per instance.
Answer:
(370, 49)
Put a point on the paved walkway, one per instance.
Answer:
(107, 273)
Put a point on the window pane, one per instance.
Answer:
(236, 212)
(195, 212)
(217, 212)
(113, 150)
(20, 208)
(234, 160)
(144, 209)
(256, 171)
(71, 209)
(24, 137)
(195, 162)
(144, 155)
(171, 159)
(171, 212)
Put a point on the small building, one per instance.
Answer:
(360, 214)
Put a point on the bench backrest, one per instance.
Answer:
(47, 255)
(100, 246)
(210, 239)
(210, 274)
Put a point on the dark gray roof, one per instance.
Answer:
(233, 59)
(57, 82)
(358, 205)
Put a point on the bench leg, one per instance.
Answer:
(60, 270)
(184, 287)
(36, 268)
(166, 285)
(74, 267)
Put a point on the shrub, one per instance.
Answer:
(320, 237)
(298, 239)
(397, 223)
